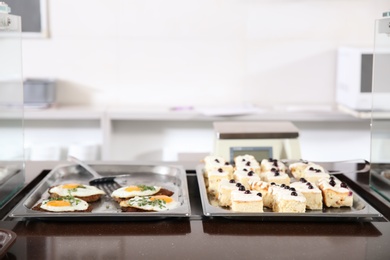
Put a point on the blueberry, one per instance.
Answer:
(343, 185)
(241, 188)
(302, 180)
(227, 163)
(247, 192)
(248, 163)
(294, 193)
(232, 181)
(238, 184)
(245, 169)
(217, 160)
(310, 187)
(292, 189)
(273, 183)
(276, 173)
(282, 185)
(311, 169)
(332, 183)
(287, 187)
(273, 169)
(220, 170)
(259, 194)
(250, 173)
(318, 170)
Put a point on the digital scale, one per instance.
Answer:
(263, 140)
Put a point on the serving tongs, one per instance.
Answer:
(97, 178)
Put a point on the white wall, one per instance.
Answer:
(198, 52)
(203, 52)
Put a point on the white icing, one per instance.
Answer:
(238, 195)
(280, 193)
(267, 165)
(324, 184)
(243, 173)
(303, 187)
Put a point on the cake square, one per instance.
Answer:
(247, 201)
(311, 192)
(276, 177)
(287, 199)
(244, 176)
(215, 177)
(225, 189)
(335, 193)
(262, 187)
(248, 162)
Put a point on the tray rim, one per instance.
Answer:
(20, 211)
(213, 211)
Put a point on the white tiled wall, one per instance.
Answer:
(197, 52)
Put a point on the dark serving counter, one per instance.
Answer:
(200, 237)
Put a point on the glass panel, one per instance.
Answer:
(380, 124)
(11, 108)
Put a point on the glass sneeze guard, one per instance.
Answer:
(380, 125)
(12, 173)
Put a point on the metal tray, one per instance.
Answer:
(172, 177)
(360, 210)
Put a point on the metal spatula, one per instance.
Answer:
(97, 178)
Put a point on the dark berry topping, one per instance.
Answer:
(250, 173)
(241, 188)
(273, 169)
(318, 170)
(311, 169)
(292, 189)
(220, 170)
(238, 184)
(275, 163)
(243, 159)
(248, 163)
(294, 193)
(232, 181)
(276, 173)
(310, 187)
(350, 193)
(245, 169)
(303, 180)
(332, 183)
(273, 183)
(343, 185)
(216, 160)
(227, 163)
(259, 194)
(331, 178)
(308, 183)
(247, 192)
(282, 185)
(287, 187)
(270, 159)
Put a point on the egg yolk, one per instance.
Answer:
(132, 188)
(58, 203)
(162, 197)
(70, 186)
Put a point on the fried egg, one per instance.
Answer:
(151, 203)
(76, 189)
(64, 204)
(135, 190)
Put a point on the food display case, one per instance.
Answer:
(11, 105)
(380, 124)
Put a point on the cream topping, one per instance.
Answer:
(238, 195)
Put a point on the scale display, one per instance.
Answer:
(258, 152)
